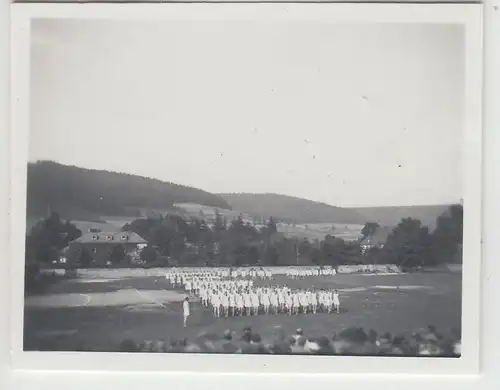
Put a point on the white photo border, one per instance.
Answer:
(470, 15)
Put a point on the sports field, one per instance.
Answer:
(97, 311)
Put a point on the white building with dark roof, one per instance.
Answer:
(105, 248)
(376, 240)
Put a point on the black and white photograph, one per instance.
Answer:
(246, 186)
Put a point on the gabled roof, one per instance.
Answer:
(378, 238)
(110, 237)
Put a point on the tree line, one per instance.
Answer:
(238, 243)
(174, 240)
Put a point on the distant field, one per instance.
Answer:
(209, 212)
(83, 225)
(100, 311)
(106, 223)
(318, 231)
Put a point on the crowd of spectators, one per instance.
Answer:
(352, 341)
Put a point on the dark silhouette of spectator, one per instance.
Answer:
(351, 341)
(128, 345)
(247, 335)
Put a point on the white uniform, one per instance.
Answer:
(215, 300)
(239, 301)
(328, 301)
(323, 299)
(282, 298)
(265, 299)
(313, 299)
(247, 300)
(303, 300)
(274, 299)
(232, 300)
(255, 300)
(203, 295)
(336, 300)
(225, 301)
(185, 309)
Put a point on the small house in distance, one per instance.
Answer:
(105, 248)
(375, 240)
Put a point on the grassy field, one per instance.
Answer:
(99, 313)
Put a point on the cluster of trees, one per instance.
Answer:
(238, 243)
(411, 244)
(43, 245)
(48, 237)
(79, 191)
(172, 239)
(195, 242)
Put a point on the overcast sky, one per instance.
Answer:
(350, 115)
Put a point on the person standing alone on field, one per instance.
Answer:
(185, 309)
(336, 301)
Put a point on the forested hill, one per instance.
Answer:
(75, 191)
(288, 208)
(79, 193)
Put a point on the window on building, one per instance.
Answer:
(94, 250)
(110, 238)
(124, 238)
(95, 237)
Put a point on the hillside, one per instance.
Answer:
(97, 195)
(88, 194)
(288, 208)
(390, 216)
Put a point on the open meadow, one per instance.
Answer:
(98, 309)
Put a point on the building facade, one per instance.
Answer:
(375, 240)
(105, 249)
